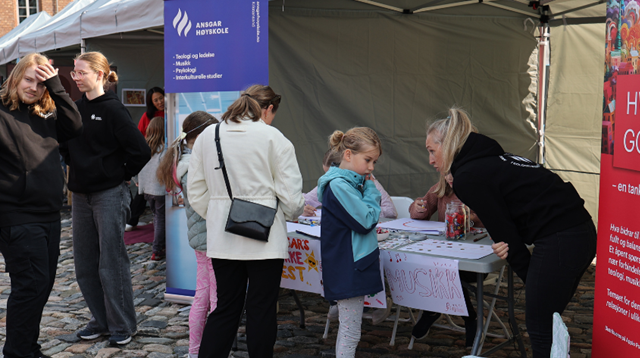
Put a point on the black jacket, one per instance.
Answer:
(111, 149)
(31, 178)
(517, 199)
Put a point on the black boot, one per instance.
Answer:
(421, 328)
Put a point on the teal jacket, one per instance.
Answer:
(350, 255)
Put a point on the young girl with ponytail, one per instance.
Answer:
(172, 173)
(150, 187)
(350, 213)
(521, 203)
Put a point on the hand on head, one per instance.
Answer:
(501, 249)
(45, 72)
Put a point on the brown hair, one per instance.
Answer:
(193, 125)
(98, 62)
(451, 133)
(155, 135)
(354, 139)
(9, 91)
(251, 102)
(331, 157)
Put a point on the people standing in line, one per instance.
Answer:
(150, 187)
(349, 243)
(173, 174)
(262, 168)
(110, 151)
(388, 209)
(155, 108)
(36, 114)
(521, 203)
(436, 199)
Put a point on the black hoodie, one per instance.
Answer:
(111, 149)
(31, 177)
(517, 199)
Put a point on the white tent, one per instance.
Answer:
(9, 42)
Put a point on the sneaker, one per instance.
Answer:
(129, 227)
(333, 313)
(118, 339)
(421, 328)
(380, 315)
(86, 334)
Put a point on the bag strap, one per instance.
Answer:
(221, 161)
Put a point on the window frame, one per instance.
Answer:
(27, 7)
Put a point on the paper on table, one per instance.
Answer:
(313, 218)
(406, 224)
(450, 249)
(305, 229)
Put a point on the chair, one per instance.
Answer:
(402, 204)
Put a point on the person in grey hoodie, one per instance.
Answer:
(172, 173)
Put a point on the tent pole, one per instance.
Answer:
(83, 46)
(543, 86)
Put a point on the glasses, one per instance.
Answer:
(79, 75)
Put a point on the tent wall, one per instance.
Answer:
(393, 73)
(140, 64)
(574, 112)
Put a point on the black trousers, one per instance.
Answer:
(264, 278)
(138, 204)
(557, 263)
(31, 256)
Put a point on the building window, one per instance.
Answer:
(26, 8)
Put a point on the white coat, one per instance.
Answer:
(261, 164)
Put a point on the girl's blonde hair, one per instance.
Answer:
(192, 126)
(355, 139)
(98, 62)
(451, 133)
(155, 135)
(9, 91)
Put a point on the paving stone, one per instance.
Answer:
(177, 335)
(134, 353)
(93, 350)
(78, 348)
(108, 352)
(154, 324)
(153, 340)
(181, 351)
(160, 355)
(62, 355)
(158, 348)
(56, 349)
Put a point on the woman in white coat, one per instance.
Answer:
(261, 165)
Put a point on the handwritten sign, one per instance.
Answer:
(424, 282)
(303, 271)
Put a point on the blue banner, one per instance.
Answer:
(215, 45)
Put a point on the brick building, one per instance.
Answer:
(13, 11)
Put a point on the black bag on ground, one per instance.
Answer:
(246, 218)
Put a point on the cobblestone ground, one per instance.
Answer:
(163, 326)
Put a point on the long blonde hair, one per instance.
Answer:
(155, 135)
(9, 91)
(451, 133)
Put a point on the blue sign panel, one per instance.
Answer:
(215, 45)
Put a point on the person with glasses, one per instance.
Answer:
(110, 151)
(262, 167)
(36, 114)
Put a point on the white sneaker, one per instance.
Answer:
(333, 313)
(129, 227)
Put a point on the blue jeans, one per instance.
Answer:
(557, 263)
(102, 263)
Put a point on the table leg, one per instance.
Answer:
(512, 317)
(480, 327)
(297, 300)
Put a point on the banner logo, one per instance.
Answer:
(184, 24)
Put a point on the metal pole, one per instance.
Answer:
(543, 80)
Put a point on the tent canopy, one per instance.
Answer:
(8, 43)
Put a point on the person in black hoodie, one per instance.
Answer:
(521, 203)
(35, 115)
(110, 151)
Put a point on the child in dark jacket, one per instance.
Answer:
(350, 212)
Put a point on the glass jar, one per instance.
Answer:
(456, 221)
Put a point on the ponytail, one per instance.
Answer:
(451, 133)
(354, 139)
(251, 102)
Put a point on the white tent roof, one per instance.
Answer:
(100, 17)
(9, 42)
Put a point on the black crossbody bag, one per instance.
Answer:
(246, 218)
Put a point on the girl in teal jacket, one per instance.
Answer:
(350, 212)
